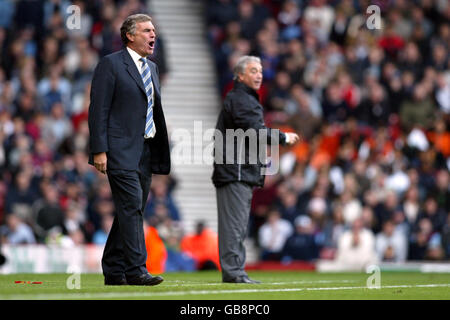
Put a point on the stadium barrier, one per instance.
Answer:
(41, 258)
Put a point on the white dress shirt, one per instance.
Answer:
(139, 64)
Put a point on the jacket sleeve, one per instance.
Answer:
(102, 91)
(247, 115)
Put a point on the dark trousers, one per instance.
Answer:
(233, 206)
(125, 252)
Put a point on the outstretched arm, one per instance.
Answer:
(245, 116)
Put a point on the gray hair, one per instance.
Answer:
(241, 64)
(129, 25)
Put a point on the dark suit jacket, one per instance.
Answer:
(117, 115)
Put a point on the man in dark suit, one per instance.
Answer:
(235, 175)
(129, 143)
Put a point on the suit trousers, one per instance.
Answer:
(233, 206)
(125, 252)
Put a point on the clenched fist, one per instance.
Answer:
(100, 162)
(292, 138)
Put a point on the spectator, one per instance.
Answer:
(303, 244)
(443, 92)
(100, 236)
(220, 12)
(100, 190)
(156, 251)
(335, 109)
(304, 111)
(411, 204)
(411, 60)
(53, 89)
(101, 209)
(433, 213)
(273, 235)
(352, 208)
(385, 210)
(391, 42)
(391, 245)
(318, 211)
(7, 9)
(177, 260)
(26, 106)
(279, 94)
(446, 238)
(288, 18)
(203, 246)
(439, 57)
(56, 128)
(441, 192)
(333, 229)
(287, 205)
(419, 109)
(20, 196)
(424, 243)
(321, 17)
(249, 20)
(356, 250)
(16, 231)
(73, 223)
(440, 137)
(375, 109)
(263, 198)
(48, 212)
(161, 197)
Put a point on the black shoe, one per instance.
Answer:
(115, 281)
(145, 279)
(2, 259)
(242, 279)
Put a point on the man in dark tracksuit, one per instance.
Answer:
(235, 176)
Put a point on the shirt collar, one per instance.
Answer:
(135, 56)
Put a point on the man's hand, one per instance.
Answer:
(100, 162)
(292, 138)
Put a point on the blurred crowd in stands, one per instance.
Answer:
(370, 179)
(372, 107)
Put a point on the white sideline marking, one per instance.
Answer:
(184, 284)
(111, 295)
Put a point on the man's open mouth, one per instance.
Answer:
(151, 44)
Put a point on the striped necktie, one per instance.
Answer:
(148, 85)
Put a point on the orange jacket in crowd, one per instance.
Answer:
(202, 247)
(442, 142)
(156, 251)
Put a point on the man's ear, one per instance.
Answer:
(130, 37)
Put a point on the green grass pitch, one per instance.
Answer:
(283, 285)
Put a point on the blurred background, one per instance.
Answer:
(368, 183)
